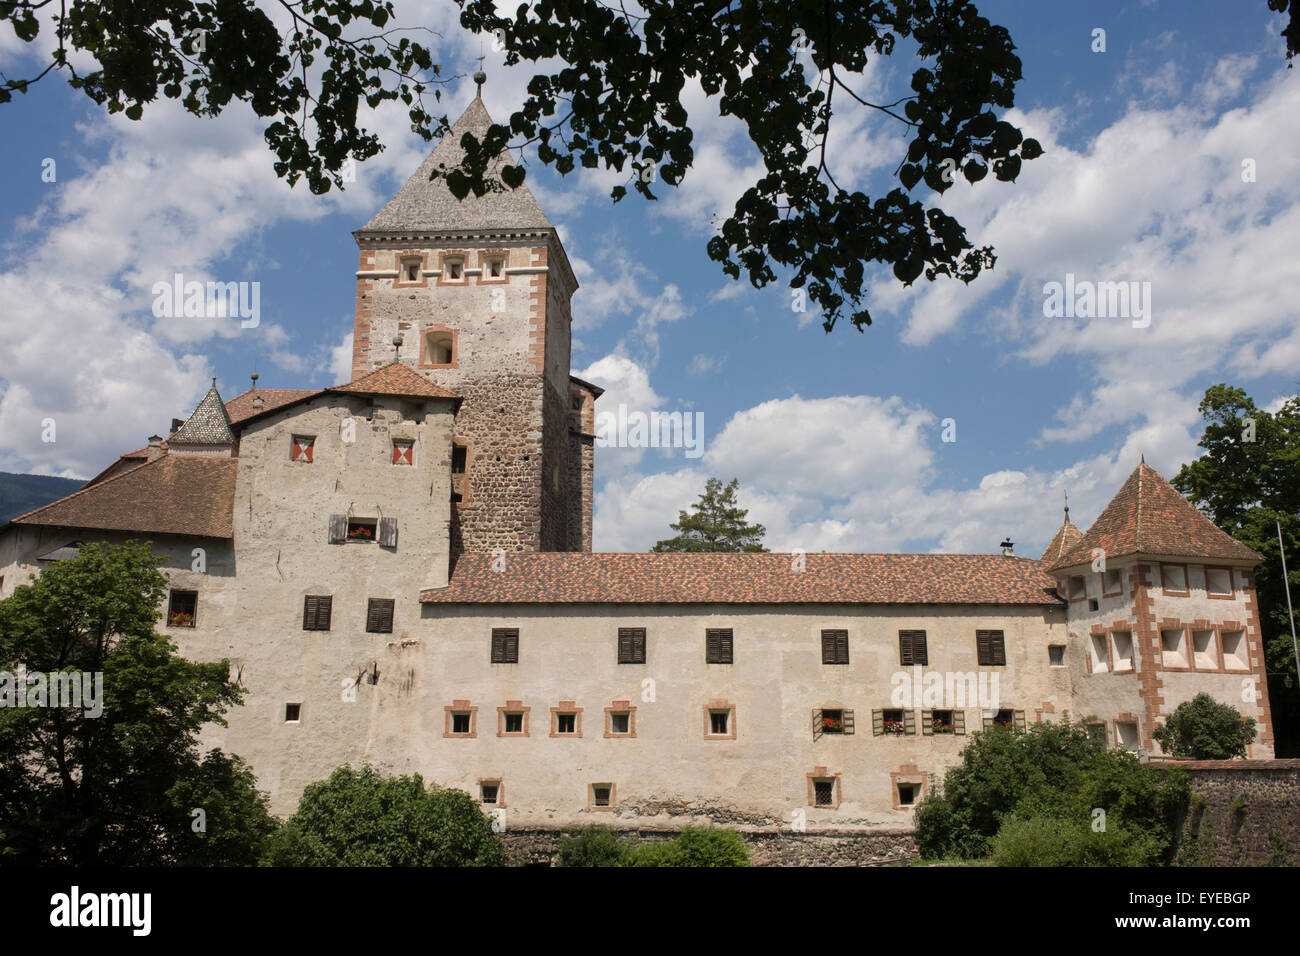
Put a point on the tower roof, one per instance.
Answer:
(208, 425)
(1063, 542)
(421, 205)
(1149, 516)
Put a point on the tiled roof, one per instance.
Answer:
(208, 425)
(725, 578)
(1149, 516)
(174, 494)
(394, 379)
(241, 406)
(1066, 537)
(421, 205)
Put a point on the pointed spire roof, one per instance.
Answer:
(422, 206)
(1149, 516)
(1063, 542)
(209, 425)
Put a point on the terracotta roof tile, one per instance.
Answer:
(241, 406)
(174, 494)
(725, 578)
(1066, 537)
(394, 379)
(1149, 516)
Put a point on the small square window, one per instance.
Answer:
(907, 794)
(316, 610)
(379, 615)
(1114, 582)
(1078, 588)
(602, 794)
(1171, 648)
(460, 723)
(455, 269)
(719, 721)
(1218, 582)
(892, 722)
(303, 448)
(631, 645)
(514, 723)
(1094, 604)
(182, 609)
(1234, 651)
(1056, 655)
(1100, 657)
(718, 645)
(362, 529)
(566, 723)
(505, 645)
(403, 452)
(489, 791)
(1126, 735)
(835, 647)
(1123, 650)
(832, 721)
(1174, 577)
(941, 721)
(292, 713)
(439, 347)
(824, 793)
(494, 267)
(1005, 718)
(620, 723)
(1204, 653)
(411, 270)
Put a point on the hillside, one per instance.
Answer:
(21, 493)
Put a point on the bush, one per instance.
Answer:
(358, 818)
(1204, 729)
(1045, 839)
(594, 846)
(711, 846)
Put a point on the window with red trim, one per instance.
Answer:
(403, 453)
(304, 447)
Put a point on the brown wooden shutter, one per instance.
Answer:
(835, 647)
(1020, 720)
(927, 723)
(828, 647)
(631, 645)
(877, 722)
(309, 604)
(905, 648)
(505, 645)
(718, 645)
(909, 723)
(388, 532)
(379, 616)
(959, 722)
(991, 648)
(920, 651)
(848, 721)
(323, 612)
(818, 726)
(911, 648)
(338, 529)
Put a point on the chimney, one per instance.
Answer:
(257, 404)
(176, 423)
(155, 447)
(1008, 547)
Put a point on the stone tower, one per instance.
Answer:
(479, 292)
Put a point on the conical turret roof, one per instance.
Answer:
(208, 425)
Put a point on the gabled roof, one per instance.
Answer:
(208, 425)
(241, 406)
(174, 494)
(726, 578)
(1149, 516)
(421, 205)
(1066, 537)
(394, 379)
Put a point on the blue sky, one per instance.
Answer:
(836, 438)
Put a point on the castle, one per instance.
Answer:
(399, 570)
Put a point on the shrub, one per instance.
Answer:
(358, 818)
(594, 846)
(1204, 729)
(1046, 839)
(694, 846)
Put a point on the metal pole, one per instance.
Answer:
(1287, 584)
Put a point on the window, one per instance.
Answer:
(303, 448)
(1171, 648)
(461, 719)
(566, 720)
(620, 719)
(512, 719)
(458, 459)
(514, 723)
(832, 721)
(403, 452)
(824, 791)
(453, 268)
(566, 724)
(316, 612)
(893, 723)
(459, 464)
(1204, 653)
(1096, 732)
(379, 616)
(1056, 655)
(835, 647)
(1234, 651)
(490, 792)
(1123, 641)
(362, 529)
(912, 649)
(601, 795)
(991, 648)
(292, 713)
(718, 645)
(1078, 587)
(411, 269)
(1113, 582)
(1094, 604)
(439, 347)
(505, 645)
(631, 645)
(907, 794)
(1174, 577)
(1218, 582)
(1126, 735)
(1006, 717)
(182, 608)
(719, 721)
(1100, 657)
(942, 721)
(620, 723)
(460, 723)
(494, 267)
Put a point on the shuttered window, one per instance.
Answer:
(835, 647)
(893, 723)
(505, 645)
(631, 645)
(379, 616)
(718, 645)
(912, 648)
(826, 721)
(403, 453)
(991, 648)
(303, 448)
(316, 612)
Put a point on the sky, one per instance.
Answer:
(963, 414)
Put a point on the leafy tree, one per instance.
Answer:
(118, 788)
(359, 818)
(1204, 729)
(594, 846)
(716, 523)
(786, 70)
(1247, 481)
(1292, 31)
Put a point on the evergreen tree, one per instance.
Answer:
(716, 523)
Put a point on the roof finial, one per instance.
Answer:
(254, 381)
(1144, 458)
(479, 76)
(1067, 505)
(214, 381)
